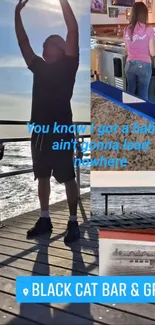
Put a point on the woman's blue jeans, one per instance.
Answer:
(138, 76)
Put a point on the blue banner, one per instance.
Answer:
(85, 289)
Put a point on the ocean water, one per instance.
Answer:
(18, 194)
(134, 203)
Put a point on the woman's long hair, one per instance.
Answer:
(139, 15)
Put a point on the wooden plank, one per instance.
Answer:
(44, 242)
(143, 310)
(136, 215)
(51, 251)
(59, 237)
(56, 219)
(36, 268)
(85, 201)
(133, 214)
(46, 260)
(102, 314)
(9, 272)
(126, 214)
(57, 223)
(6, 318)
(55, 216)
(60, 213)
(39, 313)
(24, 224)
(145, 214)
(63, 213)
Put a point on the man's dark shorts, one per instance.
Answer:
(47, 163)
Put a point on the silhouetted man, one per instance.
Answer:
(54, 78)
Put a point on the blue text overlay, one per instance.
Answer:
(84, 289)
(104, 141)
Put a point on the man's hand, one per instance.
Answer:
(72, 41)
(22, 38)
(21, 4)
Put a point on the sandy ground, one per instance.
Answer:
(107, 113)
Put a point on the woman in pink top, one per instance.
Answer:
(139, 43)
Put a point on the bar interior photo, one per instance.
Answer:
(109, 18)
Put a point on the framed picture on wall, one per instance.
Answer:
(149, 4)
(113, 12)
(99, 6)
(122, 12)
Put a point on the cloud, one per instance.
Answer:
(80, 7)
(6, 22)
(19, 108)
(12, 61)
(16, 106)
(81, 111)
(35, 14)
(42, 14)
(82, 92)
(84, 68)
(9, 61)
(85, 49)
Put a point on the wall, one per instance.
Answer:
(152, 15)
(100, 19)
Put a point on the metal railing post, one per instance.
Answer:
(106, 204)
(77, 168)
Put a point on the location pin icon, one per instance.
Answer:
(25, 291)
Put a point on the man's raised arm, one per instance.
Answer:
(72, 42)
(23, 40)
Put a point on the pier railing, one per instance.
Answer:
(79, 137)
(107, 194)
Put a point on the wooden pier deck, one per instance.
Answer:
(132, 220)
(49, 256)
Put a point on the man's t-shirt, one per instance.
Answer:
(138, 44)
(52, 90)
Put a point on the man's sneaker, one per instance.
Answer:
(42, 226)
(73, 232)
